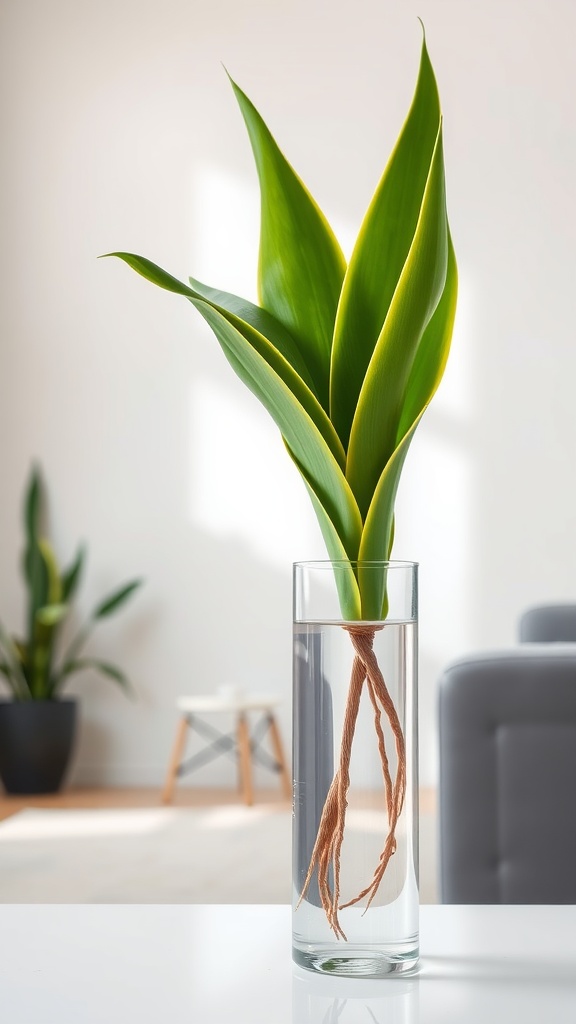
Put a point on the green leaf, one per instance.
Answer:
(46, 618)
(346, 581)
(6, 671)
(379, 411)
(301, 266)
(262, 345)
(369, 343)
(21, 648)
(54, 583)
(242, 312)
(425, 377)
(39, 583)
(114, 601)
(381, 250)
(16, 677)
(51, 614)
(263, 321)
(433, 350)
(71, 577)
(298, 429)
(80, 664)
(378, 531)
(34, 565)
(33, 503)
(36, 577)
(40, 670)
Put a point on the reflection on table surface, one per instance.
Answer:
(232, 965)
(479, 964)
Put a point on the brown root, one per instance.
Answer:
(328, 846)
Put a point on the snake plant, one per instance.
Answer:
(345, 357)
(34, 668)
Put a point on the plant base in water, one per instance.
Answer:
(355, 795)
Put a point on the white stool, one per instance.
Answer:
(242, 745)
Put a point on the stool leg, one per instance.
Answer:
(245, 762)
(279, 755)
(175, 759)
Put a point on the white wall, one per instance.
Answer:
(119, 130)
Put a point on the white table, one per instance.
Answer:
(231, 965)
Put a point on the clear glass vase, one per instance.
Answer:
(355, 758)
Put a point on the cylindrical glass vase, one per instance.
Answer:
(355, 762)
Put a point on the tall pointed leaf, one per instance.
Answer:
(243, 313)
(379, 410)
(114, 601)
(15, 673)
(346, 581)
(46, 619)
(34, 566)
(298, 429)
(80, 664)
(381, 250)
(425, 377)
(301, 265)
(33, 506)
(262, 321)
(261, 344)
(71, 577)
(378, 530)
(54, 584)
(433, 350)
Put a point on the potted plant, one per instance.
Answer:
(37, 726)
(346, 358)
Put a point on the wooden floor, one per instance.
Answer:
(185, 796)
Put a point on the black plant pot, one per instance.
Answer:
(36, 740)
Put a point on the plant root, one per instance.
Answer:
(328, 846)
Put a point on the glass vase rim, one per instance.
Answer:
(346, 563)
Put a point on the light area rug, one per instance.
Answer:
(225, 854)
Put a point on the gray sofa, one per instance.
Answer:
(507, 791)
